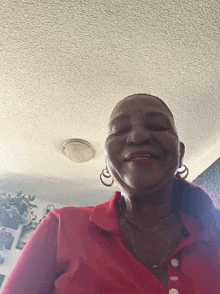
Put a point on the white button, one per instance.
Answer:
(174, 278)
(173, 291)
(174, 262)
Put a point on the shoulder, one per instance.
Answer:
(72, 213)
(73, 209)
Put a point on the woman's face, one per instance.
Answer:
(133, 128)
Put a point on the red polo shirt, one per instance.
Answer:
(79, 250)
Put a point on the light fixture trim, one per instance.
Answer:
(78, 150)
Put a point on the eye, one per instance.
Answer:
(120, 131)
(158, 128)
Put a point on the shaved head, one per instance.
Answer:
(147, 95)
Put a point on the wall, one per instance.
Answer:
(12, 255)
(209, 180)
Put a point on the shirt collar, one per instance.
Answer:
(104, 216)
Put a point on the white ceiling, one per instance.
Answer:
(65, 64)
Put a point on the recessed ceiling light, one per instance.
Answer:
(78, 150)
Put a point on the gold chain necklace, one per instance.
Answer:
(126, 221)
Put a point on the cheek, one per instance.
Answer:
(112, 148)
(171, 144)
(113, 155)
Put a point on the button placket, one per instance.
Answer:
(174, 278)
(173, 291)
(175, 263)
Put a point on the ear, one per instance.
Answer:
(182, 152)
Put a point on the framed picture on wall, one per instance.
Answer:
(6, 239)
(25, 235)
(1, 279)
(10, 222)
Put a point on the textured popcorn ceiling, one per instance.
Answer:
(65, 64)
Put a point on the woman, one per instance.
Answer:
(157, 235)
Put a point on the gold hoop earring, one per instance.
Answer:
(105, 173)
(179, 173)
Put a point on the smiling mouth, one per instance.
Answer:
(141, 160)
(143, 157)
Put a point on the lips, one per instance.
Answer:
(146, 154)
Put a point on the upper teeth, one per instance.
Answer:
(141, 157)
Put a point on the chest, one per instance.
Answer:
(153, 247)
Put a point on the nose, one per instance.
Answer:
(139, 136)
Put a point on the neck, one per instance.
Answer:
(150, 208)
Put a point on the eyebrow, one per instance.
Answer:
(151, 114)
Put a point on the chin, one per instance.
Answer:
(144, 185)
(148, 184)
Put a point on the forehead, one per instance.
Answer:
(136, 105)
